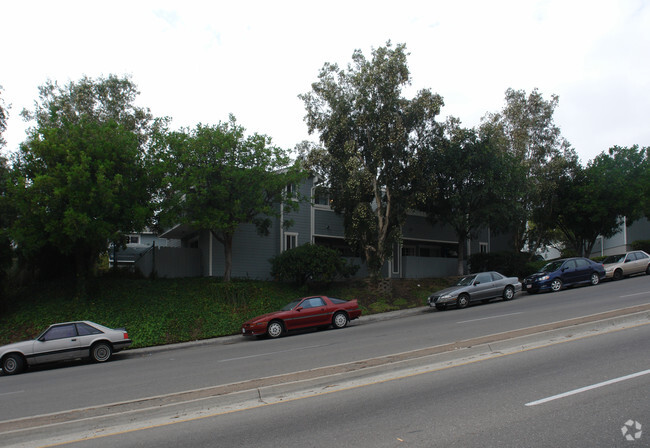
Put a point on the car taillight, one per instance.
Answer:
(126, 335)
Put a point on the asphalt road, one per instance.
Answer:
(579, 393)
(145, 373)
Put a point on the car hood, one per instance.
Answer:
(451, 290)
(264, 317)
(612, 265)
(23, 347)
(537, 275)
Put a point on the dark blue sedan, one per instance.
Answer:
(564, 272)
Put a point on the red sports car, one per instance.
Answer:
(316, 311)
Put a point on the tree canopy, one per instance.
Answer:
(473, 184)
(79, 179)
(595, 199)
(527, 130)
(218, 179)
(372, 136)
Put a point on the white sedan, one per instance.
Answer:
(64, 341)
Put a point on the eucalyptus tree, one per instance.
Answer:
(218, 179)
(79, 180)
(530, 134)
(595, 199)
(372, 137)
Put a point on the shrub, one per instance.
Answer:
(643, 245)
(516, 264)
(310, 262)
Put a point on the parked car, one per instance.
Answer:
(316, 311)
(564, 272)
(64, 341)
(630, 263)
(483, 286)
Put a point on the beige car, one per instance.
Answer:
(619, 266)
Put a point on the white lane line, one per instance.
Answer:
(635, 294)
(586, 388)
(272, 353)
(12, 393)
(491, 317)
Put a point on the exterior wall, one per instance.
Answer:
(621, 242)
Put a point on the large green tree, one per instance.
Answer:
(219, 179)
(473, 183)
(372, 137)
(527, 130)
(593, 201)
(79, 180)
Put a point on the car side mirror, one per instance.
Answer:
(477, 283)
(299, 308)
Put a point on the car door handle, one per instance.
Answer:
(73, 340)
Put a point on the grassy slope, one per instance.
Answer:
(164, 311)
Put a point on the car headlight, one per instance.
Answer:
(544, 278)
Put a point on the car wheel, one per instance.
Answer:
(101, 352)
(508, 293)
(340, 320)
(463, 301)
(594, 279)
(274, 329)
(441, 306)
(618, 274)
(13, 364)
(556, 285)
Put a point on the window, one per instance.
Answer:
(409, 251)
(483, 247)
(581, 264)
(496, 276)
(314, 302)
(322, 197)
(641, 255)
(85, 329)
(133, 239)
(59, 332)
(483, 278)
(290, 241)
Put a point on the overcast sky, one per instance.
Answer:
(198, 61)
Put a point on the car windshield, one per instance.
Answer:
(552, 266)
(614, 259)
(290, 306)
(466, 281)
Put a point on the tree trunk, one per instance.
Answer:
(460, 268)
(227, 249)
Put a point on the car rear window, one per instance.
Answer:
(335, 300)
(85, 329)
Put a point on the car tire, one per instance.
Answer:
(463, 301)
(101, 352)
(13, 364)
(441, 306)
(647, 270)
(618, 274)
(340, 320)
(274, 329)
(508, 293)
(594, 279)
(556, 285)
